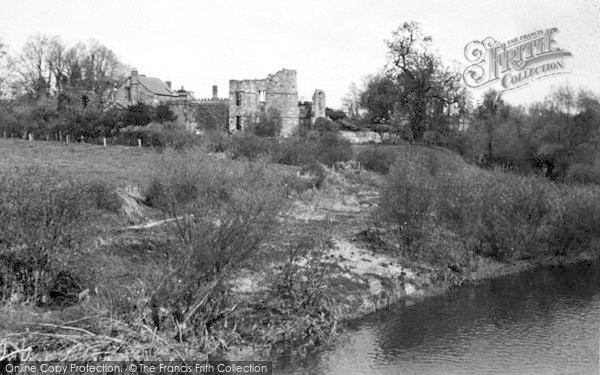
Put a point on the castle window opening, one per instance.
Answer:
(238, 98)
(238, 122)
(262, 96)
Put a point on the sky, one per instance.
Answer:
(197, 43)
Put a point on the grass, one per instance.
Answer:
(114, 165)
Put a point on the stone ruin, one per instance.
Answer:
(275, 96)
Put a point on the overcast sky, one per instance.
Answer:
(330, 43)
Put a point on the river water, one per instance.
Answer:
(541, 322)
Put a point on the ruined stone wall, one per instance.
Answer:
(319, 105)
(280, 98)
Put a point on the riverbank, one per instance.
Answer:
(327, 260)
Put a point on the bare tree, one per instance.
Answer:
(34, 65)
(351, 100)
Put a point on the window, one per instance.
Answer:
(238, 122)
(238, 98)
(128, 89)
(262, 96)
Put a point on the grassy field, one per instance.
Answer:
(116, 165)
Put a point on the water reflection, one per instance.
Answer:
(534, 323)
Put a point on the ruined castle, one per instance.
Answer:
(277, 96)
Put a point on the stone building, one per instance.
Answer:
(137, 88)
(319, 105)
(276, 95)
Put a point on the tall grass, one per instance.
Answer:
(490, 213)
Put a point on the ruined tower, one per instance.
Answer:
(319, 105)
(276, 95)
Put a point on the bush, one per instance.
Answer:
(41, 214)
(376, 159)
(407, 199)
(104, 196)
(169, 134)
(510, 213)
(316, 172)
(269, 124)
(577, 222)
(583, 174)
(223, 211)
(295, 151)
(216, 141)
(331, 148)
(252, 147)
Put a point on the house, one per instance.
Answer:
(138, 88)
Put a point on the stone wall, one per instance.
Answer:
(277, 95)
(319, 105)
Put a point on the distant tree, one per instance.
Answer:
(380, 98)
(489, 116)
(335, 114)
(351, 101)
(34, 66)
(427, 90)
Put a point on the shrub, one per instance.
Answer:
(41, 214)
(216, 141)
(169, 134)
(407, 198)
(222, 212)
(269, 124)
(295, 151)
(376, 159)
(316, 172)
(510, 213)
(331, 148)
(577, 222)
(323, 124)
(104, 196)
(252, 147)
(583, 174)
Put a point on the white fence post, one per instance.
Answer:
(30, 137)
(139, 142)
(68, 137)
(104, 141)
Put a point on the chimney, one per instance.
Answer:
(168, 84)
(134, 73)
(215, 92)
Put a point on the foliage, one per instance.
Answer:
(41, 214)
(104, 196)
(252, 147)
(323, 124)
(222, 212)
(407, 199)
(376, 159)
(170, 134)
(334, 114)
(269, 124)
(583, 174)
(212, 116)
(331, 148)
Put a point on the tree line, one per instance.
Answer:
(419, 98)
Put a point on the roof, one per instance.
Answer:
(154, 85)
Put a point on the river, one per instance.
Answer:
(545, 321)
